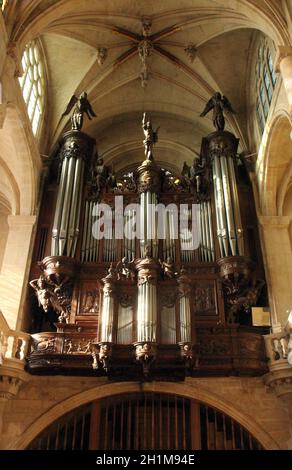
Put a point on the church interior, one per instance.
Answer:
(146, 225)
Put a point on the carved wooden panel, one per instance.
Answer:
(89, 299)
(204, 298)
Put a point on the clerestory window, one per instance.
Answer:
(265, 81)
(32, 84)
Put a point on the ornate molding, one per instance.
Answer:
(11, 378)
(274, 221)
(13, 54)
(280, 382)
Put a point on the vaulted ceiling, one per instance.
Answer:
(184, 50)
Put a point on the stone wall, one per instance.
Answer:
(44, 399)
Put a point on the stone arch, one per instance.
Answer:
(184, 390)
(21, 160)
(275, 162)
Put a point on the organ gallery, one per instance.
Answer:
(145, 225)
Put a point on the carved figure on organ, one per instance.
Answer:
(168, 268)
(43, 293)
(125, 269)
(219, 104)
(151, 136)
(81, 106)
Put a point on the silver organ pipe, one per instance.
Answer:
(203, 234)
(146, 312)
(58, 210)
(148, 202)
(207, 242)
(228, 205)
(223, 149)
(169, 236)
(143, 218)
(109, 254)
(184, 307)
(168, 325)
(76, 149)
(108, 308)
(220, 210)
(125, 325)
(69, 195)
(147, 299)
(90, 243)
(236, 208)
(210, 228)
(185, 319)
(188, 255)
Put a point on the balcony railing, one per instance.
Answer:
(278, 349)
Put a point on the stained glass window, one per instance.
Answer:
(32, 84)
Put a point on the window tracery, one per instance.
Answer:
(32, 84)
(265, 82)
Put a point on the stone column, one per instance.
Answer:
(283, 64)
(278, 263)
(15, 268)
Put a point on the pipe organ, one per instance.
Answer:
(166, 293)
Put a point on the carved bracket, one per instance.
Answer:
(146, 355)
(54, 287)
(241, 288)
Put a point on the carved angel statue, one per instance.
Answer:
(151, 137)
(126, 268)
(81, 105)
(168, 268)
(219, 104)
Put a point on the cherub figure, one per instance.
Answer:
(168, 268)
(151, 137)
(81, 106)
(219, 104)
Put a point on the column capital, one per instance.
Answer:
(282, 53)
(13, 60)
(21, 220)
(272, 221)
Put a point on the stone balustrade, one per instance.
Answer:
(279, 353)
(14, 346)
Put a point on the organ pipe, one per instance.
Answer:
(76, 150)
(184, 307)
(108, 308)
(222, 151)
